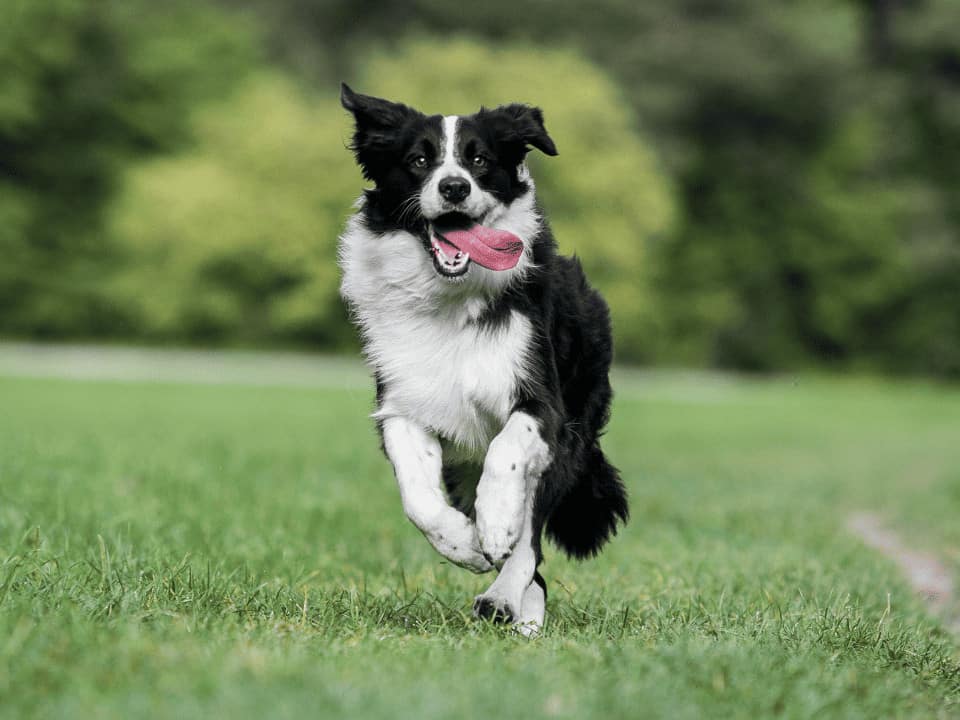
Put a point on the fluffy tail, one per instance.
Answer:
(587, 517)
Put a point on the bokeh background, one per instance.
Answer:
(754, 184)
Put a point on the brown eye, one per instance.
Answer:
(419, 162)
(479, 161)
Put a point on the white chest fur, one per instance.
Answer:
(439, 366)
(457, 380)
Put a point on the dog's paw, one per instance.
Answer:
(468, 555)
(491, 607)
(474, 561)
(528, 628)
(456, 539)
(534, 606)
(497, 541)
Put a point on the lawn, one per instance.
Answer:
(237, 549)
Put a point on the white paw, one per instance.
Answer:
(470, 559)
(457, 540)
(529, 628)
(533, 611)
(498, 539)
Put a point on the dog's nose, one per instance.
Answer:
(454, 189)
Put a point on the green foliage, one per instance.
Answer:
(87, 86)
(807, 237)
(926, 49)
(236, 237)
(752, 184)
(782, 255)
(815, 271)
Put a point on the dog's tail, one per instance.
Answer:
(587, 517)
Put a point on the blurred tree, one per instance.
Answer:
(926, 42)
(234, 240)
(813, 154)
(813, 147)
(85, 87)
(746, 97)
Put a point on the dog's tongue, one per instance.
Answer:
(494, 249)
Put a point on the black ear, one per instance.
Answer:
(522, 124)
(373, 112)
(378, 124)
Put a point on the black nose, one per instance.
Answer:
(454, 189)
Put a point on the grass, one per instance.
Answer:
(195, 550)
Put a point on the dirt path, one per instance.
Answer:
(926, 574)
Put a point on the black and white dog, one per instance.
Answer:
(490, 351)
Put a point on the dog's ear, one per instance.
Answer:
(522, 124)
(377, 125)
(373, 112)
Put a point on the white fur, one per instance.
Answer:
(416, 459)
(533, 611)
(511, 471)
(451, 375)
(507, 591)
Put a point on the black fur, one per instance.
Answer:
(581, 498)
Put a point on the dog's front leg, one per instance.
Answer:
(417, 462)
(514, 596)
(506, 492)
(515, 459)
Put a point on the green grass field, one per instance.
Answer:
(196, 550)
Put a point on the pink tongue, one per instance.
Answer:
(494, 249)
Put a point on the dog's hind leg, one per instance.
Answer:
(417, 462)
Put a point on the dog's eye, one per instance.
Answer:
(479, 161)
(419, 162)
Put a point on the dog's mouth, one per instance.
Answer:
(456, 240)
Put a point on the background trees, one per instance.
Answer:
(754, 185)
(87, 88)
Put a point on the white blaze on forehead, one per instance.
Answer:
(450, 142)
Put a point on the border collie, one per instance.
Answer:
(489, 350)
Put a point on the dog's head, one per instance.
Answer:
(455, 181)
